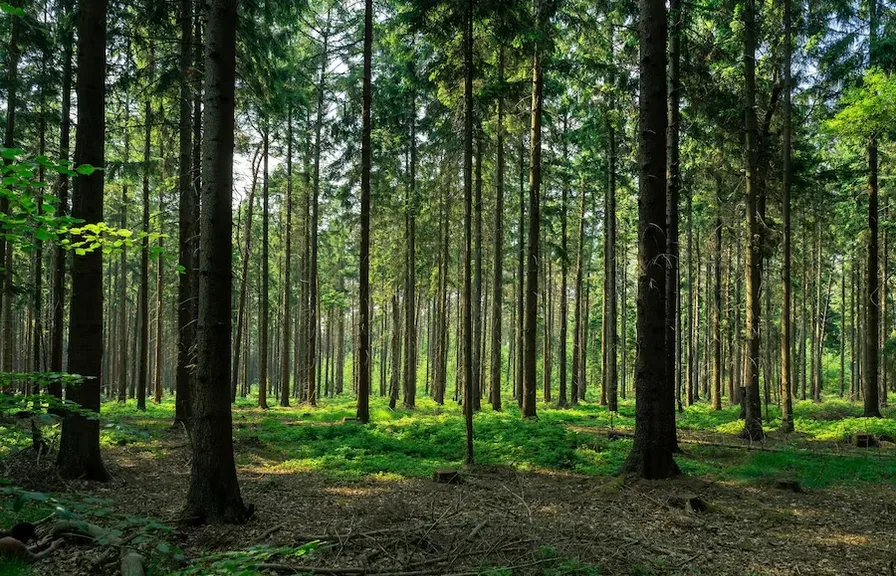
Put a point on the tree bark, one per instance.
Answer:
(530, 384)
(498, 274)
(214, 493)
(60, 255)
(467, 314)
(673, 189)
(786, 282)
(753, 408)
(611, 381)
(364, 279)
(79, 449)
(651, 453)
(287, 270)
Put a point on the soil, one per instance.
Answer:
(526, 522)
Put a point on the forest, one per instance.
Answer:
(447, 287)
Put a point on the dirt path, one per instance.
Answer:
(499, 517)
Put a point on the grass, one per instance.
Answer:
(411, 443)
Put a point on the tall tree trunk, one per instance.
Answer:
(160, 291)
(717, 304)
(673, 189)
(60, 254)
(498, 275)
(314, 321)
(123, 273)
(467, 314)
(477, 274)
(265, 274)
(753, 414)
(395, 352)
(564, 271)
(143, 376)
(611, 382)
(410, 299)
(12, 91)
(520, 276)
(287, 281)
(530, 384)
(692, 300)
(364, 280)
(214, 493)
(786, 283)
(79, 449)
(187, 228)
(651, 453)
(578, 352)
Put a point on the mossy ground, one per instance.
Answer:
(548, 481)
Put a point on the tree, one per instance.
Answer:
(786, 288)
(467, 313)
(498, 250)
(143, 313)
(753, 407)
(364, 280)
(543, 12)
(651, 453)
(79, 448)
(287, 284)
(265, 273)
(214, 493)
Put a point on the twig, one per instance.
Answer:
(264, 535)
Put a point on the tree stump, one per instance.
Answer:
(864, 440)
(788, 484)
(131, 564)
(446, 476)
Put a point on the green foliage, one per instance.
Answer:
(404, 443)
(243, 562)
(869, 109)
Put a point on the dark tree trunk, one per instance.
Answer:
(467, 315)
(79, 449)
(265, 274)
(673, 190)
(520, 276)
(498, 274)
(214, 493)
(285, 346)
(717, 304)
(364, 280)
(12, 91)
(477, 275)
(60, 255)
(753, 407)
(611, 381)
(395, 345)
(143, 376)
(786, 286)
(410, 300)
(651, 453)
(578, 352)
(564, 273)
(530, 384)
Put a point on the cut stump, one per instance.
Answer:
(788, 484)
(864, 440)
(446, 476)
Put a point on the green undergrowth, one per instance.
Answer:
(411, 443)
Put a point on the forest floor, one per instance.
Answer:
(542, 498)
